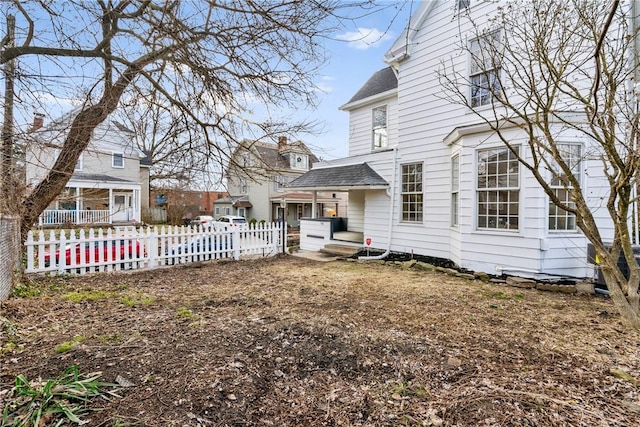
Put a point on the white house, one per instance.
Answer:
(427, 177)
(110, 183)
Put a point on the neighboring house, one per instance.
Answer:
(425, 176)
(182, 205)
(110, 183)
(257, 178)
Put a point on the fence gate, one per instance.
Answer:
(10, 250)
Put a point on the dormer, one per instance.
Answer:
(295, 153)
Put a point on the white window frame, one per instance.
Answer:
(484, 71)
(115, 156)
(455, 190)
(217, 210)
(497, 190)
(227, 210)
(560, 220)
(412, 192)
(380, 131)
(79, 163)
(244, 187)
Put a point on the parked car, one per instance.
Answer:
(202, 248)
(202, 220)
(120, 250)
(227, 221)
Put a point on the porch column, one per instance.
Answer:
(78, 210)
(136, 205)
(110, 205)
(314, 204)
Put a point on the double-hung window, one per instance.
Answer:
(244, 187)
(484, 70)
(117, 160)
(455, 189)
(380, 139)
(412, 196)
(79, 164)
(498, 191)
(560, 219)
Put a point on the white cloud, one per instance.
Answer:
(325, 85)
(365, 38)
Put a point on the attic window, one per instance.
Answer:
(117, 160)
(299, 161)
(79, 164)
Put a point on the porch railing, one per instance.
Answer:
(62, 216)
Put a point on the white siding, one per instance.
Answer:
(361, 126)
(355, 211)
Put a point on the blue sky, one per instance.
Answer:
(356, 54)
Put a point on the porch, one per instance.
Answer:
(316, 233)
(88, 204)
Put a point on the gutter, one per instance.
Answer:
(392, 191)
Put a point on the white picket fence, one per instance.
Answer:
(125, 248)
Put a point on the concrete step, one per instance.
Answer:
(339, 250)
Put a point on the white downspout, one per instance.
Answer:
(392, 194)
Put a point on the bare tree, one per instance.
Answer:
(204, 61)
(563, 71)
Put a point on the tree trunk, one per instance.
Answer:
(10, 245)
(624, 304)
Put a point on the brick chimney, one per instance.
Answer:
(282, 143)
(38, 121)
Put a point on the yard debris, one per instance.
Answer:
(291, 342)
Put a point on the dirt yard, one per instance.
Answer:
(293, 342)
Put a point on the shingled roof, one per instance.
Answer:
(381, 81)
(345, 177)
(268, 153)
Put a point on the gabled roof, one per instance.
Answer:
(360, 176)
(108, 136)
(270, 155)
(381, 81)
(400, 48)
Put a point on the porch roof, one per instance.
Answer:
(350, 177)
(97, 177)
(95, 180)
(300, 198)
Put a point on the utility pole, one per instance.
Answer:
(6, 157)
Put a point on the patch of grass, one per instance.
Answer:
(495, 294)
(8, 334)
(34, 289)
(69, 345)
(518, 297)
(90, 295)
(133, 300)
(185, 312)
(55, 401)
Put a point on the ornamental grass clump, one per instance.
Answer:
(55, 401)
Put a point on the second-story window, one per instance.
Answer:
(380, 127)
(484, 70)
(243, 186)
(279, 181)
(79, 164)
(117, 160)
